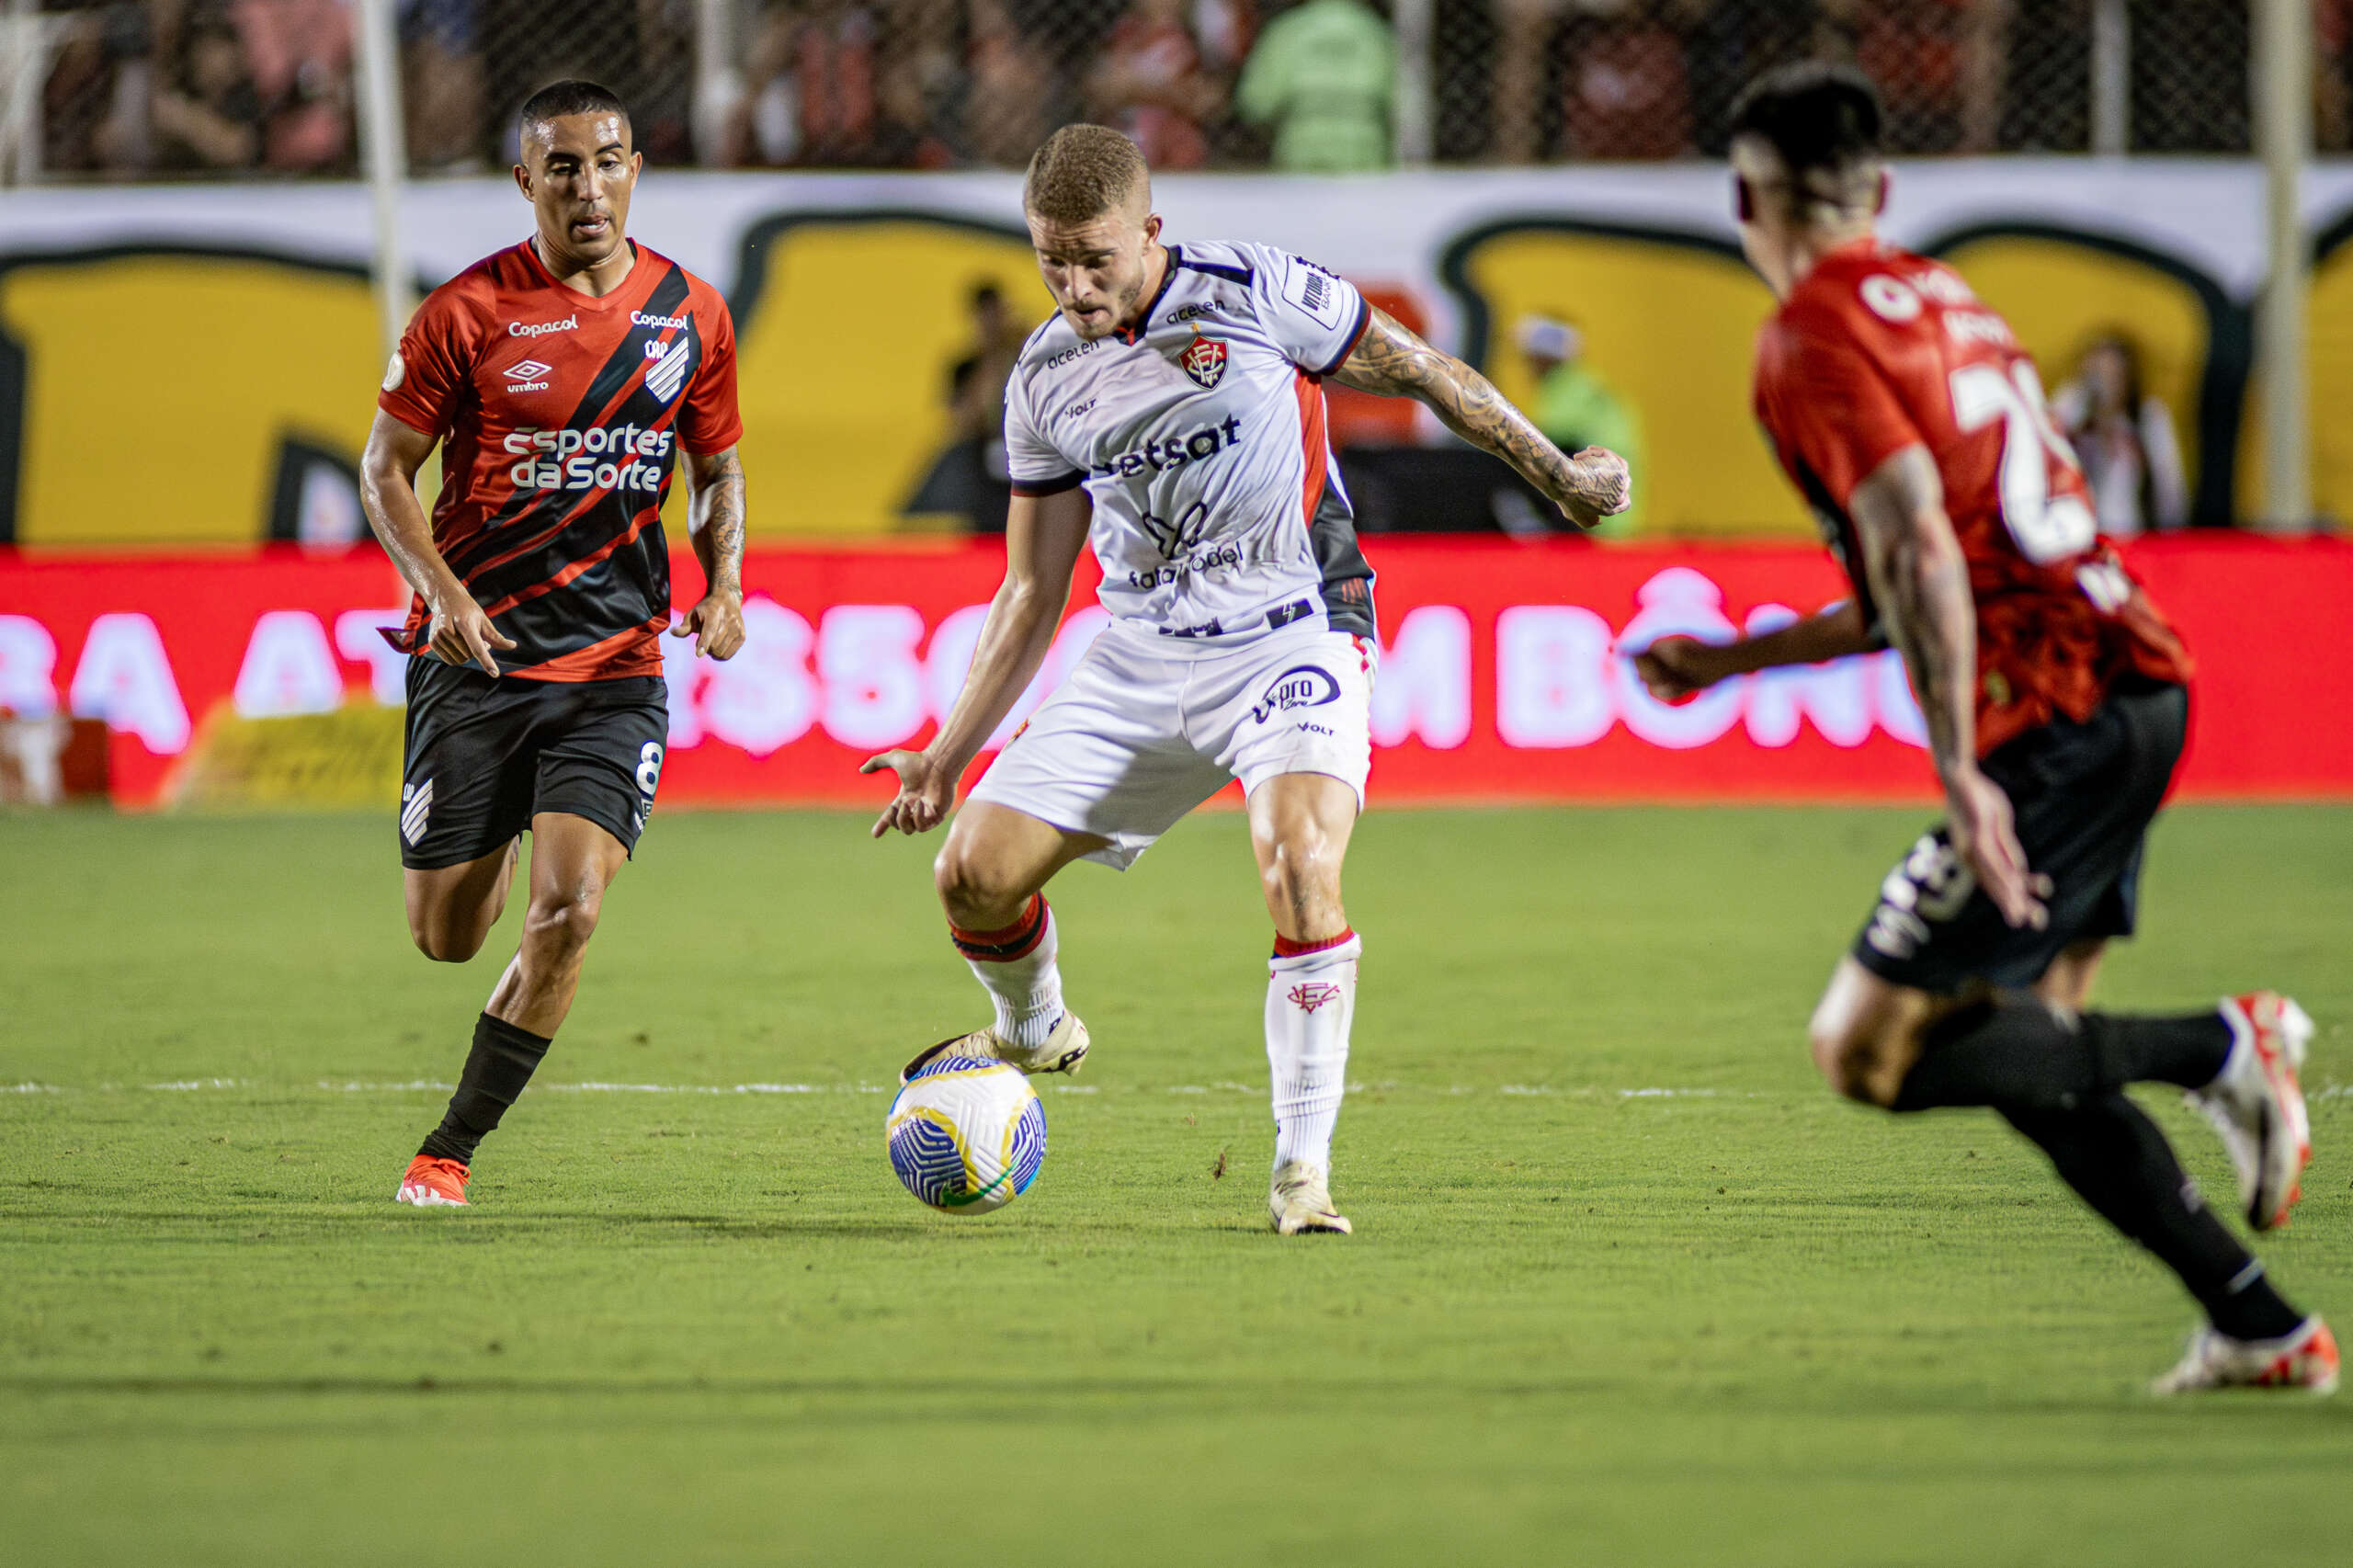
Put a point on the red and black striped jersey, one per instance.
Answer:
(561, 415)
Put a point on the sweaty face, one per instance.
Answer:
(579, 172)
(1096, 270)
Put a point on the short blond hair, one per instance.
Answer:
(1083, 172)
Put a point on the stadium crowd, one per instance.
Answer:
(181, 87)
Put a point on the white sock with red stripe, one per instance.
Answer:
(1311, 997)
(1015, 966)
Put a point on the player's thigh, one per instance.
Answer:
(467, 770)
(600, 755)
(996, 857)
(1106, 756)
(2068, 981)
(573, 860)
(452, 908)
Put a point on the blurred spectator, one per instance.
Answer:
(300, 54)
(2124, 437)
(1940, 65)
(840, 84)
(969, 479)
(1324, 76)
(442, 86)
(1575, 408)
(1149, 83)
(1625, 94)
(209, 116)
(1012, 91)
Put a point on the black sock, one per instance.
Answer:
(2188, 1049)
(2118, 1161)
(498, 1067)
(2018, 1051)
(2012, 1050)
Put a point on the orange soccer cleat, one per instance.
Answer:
(2305, 1358)
(434, 1183)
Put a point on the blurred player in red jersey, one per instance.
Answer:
(563, 379)
(2056, 699)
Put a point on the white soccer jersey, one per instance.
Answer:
(1219, 511)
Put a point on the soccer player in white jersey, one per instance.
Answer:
(1178, 389)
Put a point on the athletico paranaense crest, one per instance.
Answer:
(1203, 359)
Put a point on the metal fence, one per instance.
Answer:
(172, 88)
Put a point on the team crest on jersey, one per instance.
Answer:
(665, 370)
(1204, 360)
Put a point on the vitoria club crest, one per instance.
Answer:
(1204, 360)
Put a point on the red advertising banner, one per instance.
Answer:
(1501, 674)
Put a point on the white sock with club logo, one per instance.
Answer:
(1017, 967)
(1311, 997)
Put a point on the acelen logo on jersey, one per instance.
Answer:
(574, 459)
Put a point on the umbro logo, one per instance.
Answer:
(416, 807)
(524, 375)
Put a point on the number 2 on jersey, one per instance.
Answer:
(2045, 528)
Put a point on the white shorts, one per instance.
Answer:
(1146, 728)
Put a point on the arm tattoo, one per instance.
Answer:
(716, 520)
(1389, 360)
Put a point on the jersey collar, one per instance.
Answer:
(635, 284)
(1172, 258)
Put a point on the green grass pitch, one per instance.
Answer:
(1627, 1287)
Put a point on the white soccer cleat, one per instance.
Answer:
(1064, 1050)
(1300, 1201)
(2256, 1104)
(2305, 1359)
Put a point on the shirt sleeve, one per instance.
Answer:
(433, 369)
(1313, 315)
(1032, 462)
(1832, 406)
(710, 421)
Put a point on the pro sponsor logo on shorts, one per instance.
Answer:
(1310, 995)
(416, 808)
(1204, 360)
(1301, 686)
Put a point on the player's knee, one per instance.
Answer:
(566, 917)
(1301, 876)
(1852, 1061)
(977, 894)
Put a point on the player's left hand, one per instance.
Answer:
(716, 625)
(1600, 485)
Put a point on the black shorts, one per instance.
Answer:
(2084, 795)
(482, 756)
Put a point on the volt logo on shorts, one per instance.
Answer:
(1929, 889)
(1301, 686)
(416, 806)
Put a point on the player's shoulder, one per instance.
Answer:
(1051, 344)
(702, 296)
(1871, 292)
(471, 299)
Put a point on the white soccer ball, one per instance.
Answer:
(967, 1134)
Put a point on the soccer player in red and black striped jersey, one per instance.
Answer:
(565, 380)
(2056, 699)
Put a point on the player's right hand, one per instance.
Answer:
(926, 791)
(462, 634)
(1985, 838)
(1600, 485)
(1674, 668)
